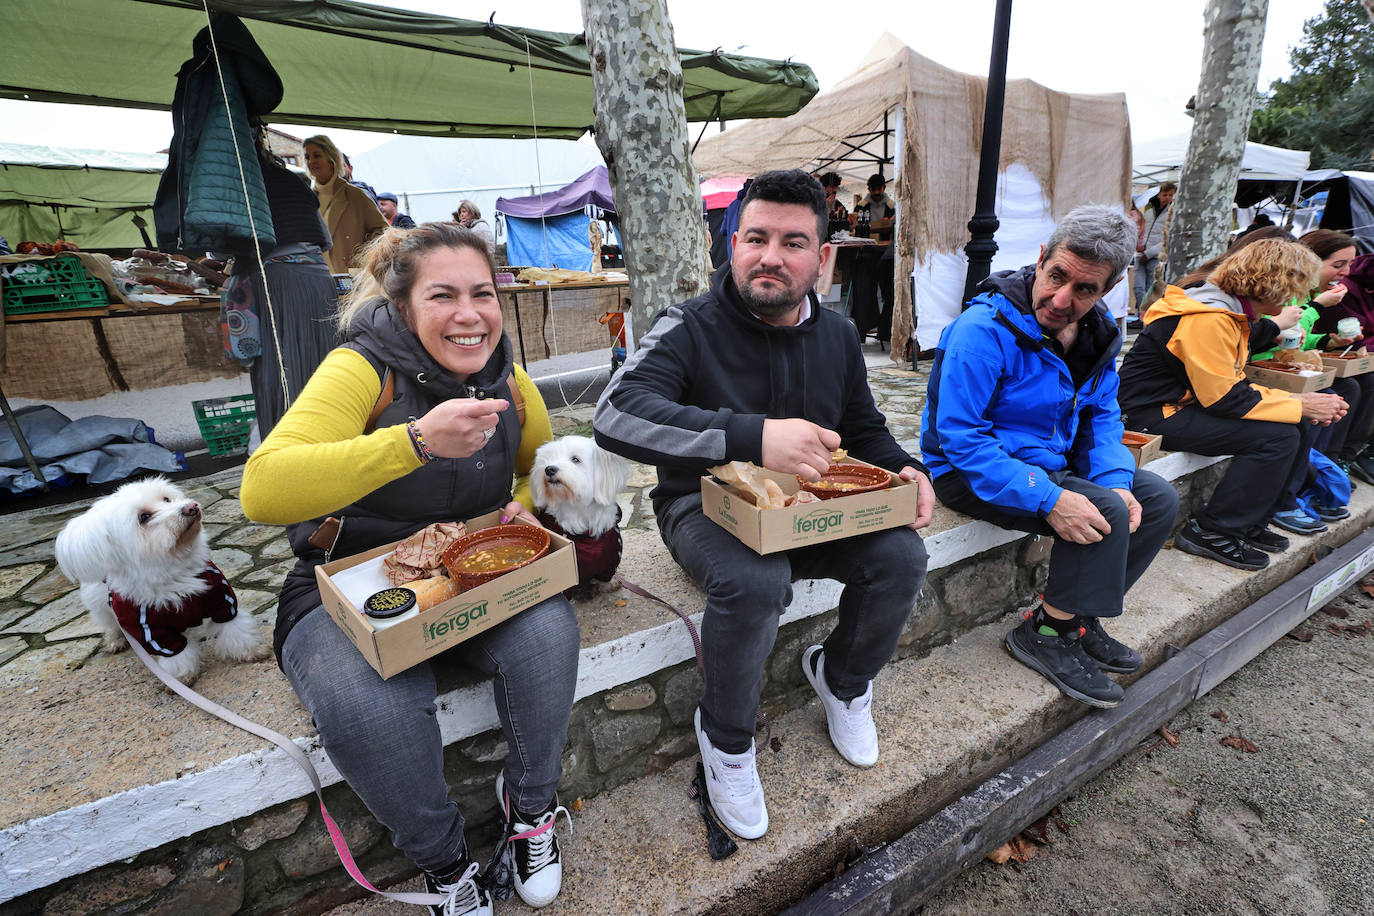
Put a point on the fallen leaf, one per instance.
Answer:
(621, 603)
(1300, 635)
(1000, 855)
(223, 865)
(1221, 717)
(1354, 629)
(775, 744)
(1240, 743)
(1022, 850)
(1335, 610)
(1367, 586)
(1037, 832)
(1171, 737)
(577, 805)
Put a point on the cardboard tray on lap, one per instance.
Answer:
(391, 647)
(771, 530)
(1143, 446)
(1346, 366)
(1261, 374)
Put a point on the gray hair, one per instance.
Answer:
(1096, 233)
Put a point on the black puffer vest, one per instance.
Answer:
(450, 489)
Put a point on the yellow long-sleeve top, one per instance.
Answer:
(317, 459)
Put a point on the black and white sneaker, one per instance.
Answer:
(534, 847)
(1063, 662)
(1224, 548)
(466, 897)
(1266, 540)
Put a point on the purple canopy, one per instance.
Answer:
(590, 189)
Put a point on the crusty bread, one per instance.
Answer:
(776, 497)
(429, 592)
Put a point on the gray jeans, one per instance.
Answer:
(747, 593)
(383, 737)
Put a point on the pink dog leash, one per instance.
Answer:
(302, 761)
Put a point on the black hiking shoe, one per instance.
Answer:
(1110, 654)
(1224, 548)
(1062, 660)
(1266, 540)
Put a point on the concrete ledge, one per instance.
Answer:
(204, 774)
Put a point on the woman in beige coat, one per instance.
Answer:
(352, 217)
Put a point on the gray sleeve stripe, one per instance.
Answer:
(705, 445)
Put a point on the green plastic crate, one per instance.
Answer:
(50, 286)
(225, 423)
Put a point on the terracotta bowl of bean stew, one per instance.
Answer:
(483, 555)
(846, 480)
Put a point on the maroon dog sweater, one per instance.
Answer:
(597, 557)
(159, 628)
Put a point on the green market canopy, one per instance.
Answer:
(353, 65)
(83, 195)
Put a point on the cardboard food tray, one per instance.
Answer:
(1287, 381)
(391, 647)
(771, 530)
(1143, 446)
(1344, 367)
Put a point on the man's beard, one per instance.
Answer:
(774, 304)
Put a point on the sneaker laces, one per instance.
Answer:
(539, 837)
(462, 893)
(740, 780)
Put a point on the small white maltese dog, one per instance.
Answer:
(141, 559)
(574, 484)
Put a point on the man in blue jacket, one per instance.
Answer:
(1022, 429)
(755, 370)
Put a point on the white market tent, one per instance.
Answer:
(1161, 159)
(1059, 150)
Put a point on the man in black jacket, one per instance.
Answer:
(756, 371)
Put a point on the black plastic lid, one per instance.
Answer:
(389, 602)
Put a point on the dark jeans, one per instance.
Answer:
(873, 273)
(383, 737)
(1352, 433)
(747, 593)
(1268, 457)
(1087, 579)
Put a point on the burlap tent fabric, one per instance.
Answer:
(1077, 146)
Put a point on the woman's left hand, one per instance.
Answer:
(1338, 343)
(514, 510)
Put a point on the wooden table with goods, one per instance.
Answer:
(566, 312)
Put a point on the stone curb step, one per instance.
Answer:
(947, 722)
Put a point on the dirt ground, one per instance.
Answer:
(1279, 823)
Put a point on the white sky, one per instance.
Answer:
(1150, 51)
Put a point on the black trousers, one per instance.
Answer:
(873, 273)
(1268, 458)
(1088, 579)
(1352, 433)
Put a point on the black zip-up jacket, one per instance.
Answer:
(708, 373)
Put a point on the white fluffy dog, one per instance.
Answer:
(575, 483)
(141, 558)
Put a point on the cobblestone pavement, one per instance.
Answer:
(44, 629)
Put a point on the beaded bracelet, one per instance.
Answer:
(417, 441)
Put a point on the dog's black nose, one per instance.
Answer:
(551, 471)
(191, 510)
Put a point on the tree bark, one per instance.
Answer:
(641, 130)
(1200, 224)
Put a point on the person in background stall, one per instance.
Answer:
(387, 203)
(351, 215)
(1156, 218)
(446, 445)
(469, 216)
(874, 217)
(1183, 380)
(839, 216)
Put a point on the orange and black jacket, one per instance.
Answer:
(1193, 353)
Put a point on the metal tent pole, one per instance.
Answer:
(982, 246)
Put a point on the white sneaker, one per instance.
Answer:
(534, 849)
(465, 896)
(732, 782)
(851, 722)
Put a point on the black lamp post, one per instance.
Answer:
(982, 246)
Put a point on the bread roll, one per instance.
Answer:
(429, 592)
(777, 499)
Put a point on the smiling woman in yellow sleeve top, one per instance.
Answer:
(448, 446)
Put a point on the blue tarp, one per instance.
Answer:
(554, 241)
(101, 448)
